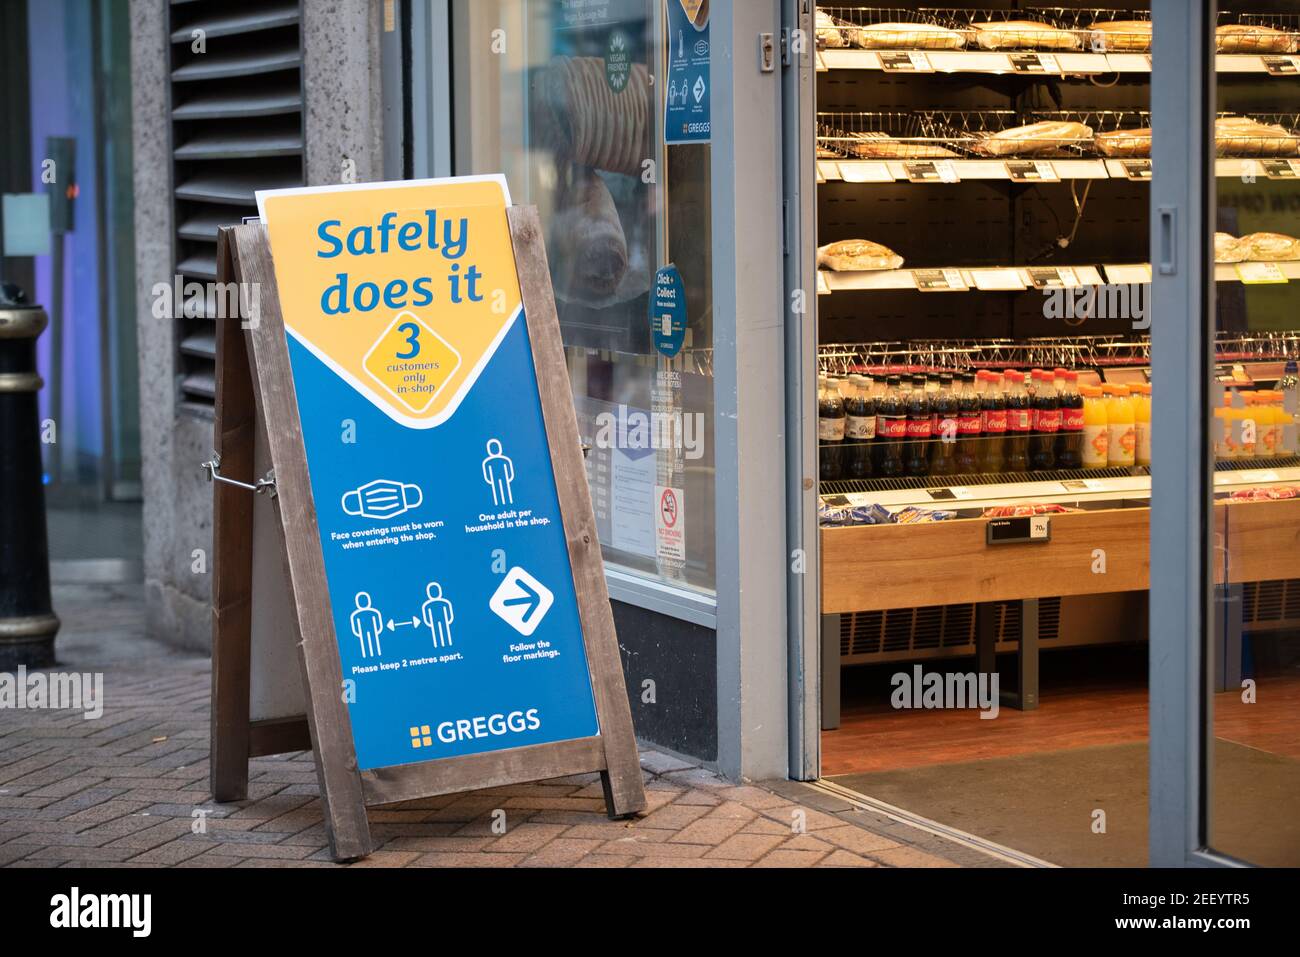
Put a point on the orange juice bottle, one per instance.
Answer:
(1249, 432)
(1270, 424)
(1096, 428)
(1142, 423)
(1123, 426)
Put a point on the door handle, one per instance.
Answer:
(1168, 261)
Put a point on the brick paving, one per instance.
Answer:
(123, 791)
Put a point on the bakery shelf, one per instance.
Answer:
(1015, 279)
(1070, 64)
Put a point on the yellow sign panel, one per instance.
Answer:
(405, 291)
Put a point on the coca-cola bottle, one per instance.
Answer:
(968, 426)
(993, 414)
(830, 429)
(943, 445)
(916, 460)
(860, 428)
(1069, 441)
(891, 430)
(1019, 423)
(1047, 409)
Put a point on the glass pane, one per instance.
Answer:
(563, 99)
(1254, 646)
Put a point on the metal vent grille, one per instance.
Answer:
(1271, 602)
(236, 127)
(937, 628)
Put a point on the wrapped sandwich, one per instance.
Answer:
(1242, 136)
(883, 146)
(1229, 249)
(1023, 35)
(906, 36)
(1124, 144)
(1121, 36)
(1247, 38)
(1270, 247)
(857, 255)
(1043, 137)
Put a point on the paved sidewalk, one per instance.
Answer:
(123, 790)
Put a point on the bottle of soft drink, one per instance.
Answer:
(1019, 422)
(859, 428)
(993, 423)
(916, 460)
(1047, 415)
(891, 430)
(969, 424)
(830, 429)
(1069, 440)
(943, 445)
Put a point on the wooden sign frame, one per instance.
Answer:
(255, 387)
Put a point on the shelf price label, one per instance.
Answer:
(910, 61)
(1281, 65)
(1260, 274)
(1010, 531)
(1281, 168)
(1052, 277)
(1034, 63)
(1137, 169)
(931, 171)
(939, 280)
(1031, 171)
(854, 171)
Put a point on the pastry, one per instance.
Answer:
(1121, 36)
(1124, 144)
(906, 36)
(1023, 35)
(1242, 136)
(1247, 38)
(1228, 249)
(586, 122)
(1042, 137)
(1270, 247)
(588, 247)
(855, 255)
(830, 32)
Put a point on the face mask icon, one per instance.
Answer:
(382, 499)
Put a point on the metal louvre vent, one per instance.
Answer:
(1271, 602)
(236, 127)
(936, 629)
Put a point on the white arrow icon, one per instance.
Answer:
(521, 601)
(413, 623)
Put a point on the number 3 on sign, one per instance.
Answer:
(412, 332)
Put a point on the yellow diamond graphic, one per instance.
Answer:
(411, 362)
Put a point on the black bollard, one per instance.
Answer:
(27, 620)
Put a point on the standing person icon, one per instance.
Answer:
(367, 624)
(437, 615)
(499, 472)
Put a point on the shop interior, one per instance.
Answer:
(984, 424)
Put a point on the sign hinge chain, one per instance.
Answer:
(264, 484)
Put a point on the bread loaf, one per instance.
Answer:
(587, 123)
(1242, 136)
(1122, 36)
(1124, 144)
(1228, 249)
(883, 146)
(1023, 35)
(830, 32)
(588, 248)
(907, 36)
(1043, 137)
(1270, 247)
(1247, 38)
(856, 255)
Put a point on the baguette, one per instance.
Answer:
(1124, 144)
(830, 32)
(1122, 36)
(857, 255)
(1023, 35)
(1042, 137)
(1229, 249)
(1242, 136)
(907, 36)
(882, 146)
(1248, 38)
(1270, 247)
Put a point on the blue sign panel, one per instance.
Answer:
(689, 94)
(668, 311)
(449, 579)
